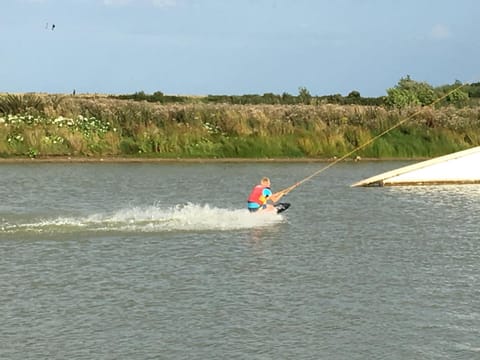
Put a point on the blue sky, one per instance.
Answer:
(235, 47)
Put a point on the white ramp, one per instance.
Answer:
(462, 167)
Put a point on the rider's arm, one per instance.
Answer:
(276, 197)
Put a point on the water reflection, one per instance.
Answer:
(452, 197)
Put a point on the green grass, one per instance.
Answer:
(97, 126)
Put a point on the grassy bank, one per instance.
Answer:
(98, 126)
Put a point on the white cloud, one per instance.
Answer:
(164, 3)
(34, 1)
(116, 2)
(155, 3)
(440, 32)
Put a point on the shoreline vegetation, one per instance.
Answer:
(133, 160)
(141, 127)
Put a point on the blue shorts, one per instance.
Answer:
(252, 209)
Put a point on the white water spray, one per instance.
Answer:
(186, 217)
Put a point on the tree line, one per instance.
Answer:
(407, 92)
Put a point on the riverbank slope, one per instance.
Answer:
(54, 127)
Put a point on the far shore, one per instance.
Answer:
(109, 159)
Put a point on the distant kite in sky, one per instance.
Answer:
(53, 26)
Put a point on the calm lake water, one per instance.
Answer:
(162, 261)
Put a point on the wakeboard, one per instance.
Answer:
(281, 207)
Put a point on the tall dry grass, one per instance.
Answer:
(219, 130)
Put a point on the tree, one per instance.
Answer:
(304, 95)
(401, 98)
(473, 90)
(409, 92)
(158, 96)
(457, 94)
(458, 98)
(354, 94)
(288, 99)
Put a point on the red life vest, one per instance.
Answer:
(256, 195)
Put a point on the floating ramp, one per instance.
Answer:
(462, 167)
